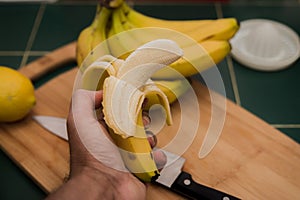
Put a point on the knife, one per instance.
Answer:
(171, 176)
(181, 182)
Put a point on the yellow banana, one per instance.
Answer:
(199, 30)
(216, 49)
(125, 84)
(220, 29)
(84, 42)
(121, 45)
(136, 153)
(93, 35)
(199, 57)
(140, 20)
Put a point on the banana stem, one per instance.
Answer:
(110, 3)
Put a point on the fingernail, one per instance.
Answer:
(160, 159)
(144, 103)
(146, 120)
(151, 138)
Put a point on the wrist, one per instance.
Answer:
(100, 183)
(114, 184)
(89, 184)
(94, 184)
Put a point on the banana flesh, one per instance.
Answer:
(126, 84)
(130, 81)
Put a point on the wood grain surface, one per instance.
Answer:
(252, 160)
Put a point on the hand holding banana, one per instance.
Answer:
(126, 84)
(141, 73)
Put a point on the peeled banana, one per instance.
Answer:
(126, 84)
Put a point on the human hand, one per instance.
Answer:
(96, 165)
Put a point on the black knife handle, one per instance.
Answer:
(186, 186)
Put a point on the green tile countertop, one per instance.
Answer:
(30, 30)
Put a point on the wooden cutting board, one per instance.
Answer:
(251, 160)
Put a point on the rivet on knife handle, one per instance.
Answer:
(185, 185)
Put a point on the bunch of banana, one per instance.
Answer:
(126, 84)
(208, 43)
(204, 42)
(212, 35)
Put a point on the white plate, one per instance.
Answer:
(265, 45)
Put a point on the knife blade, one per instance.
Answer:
(171, 176)
(56, 125)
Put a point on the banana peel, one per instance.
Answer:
(173, 89)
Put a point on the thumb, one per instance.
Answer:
(85, 102)
(92, 135)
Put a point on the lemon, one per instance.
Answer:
(16, 95)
